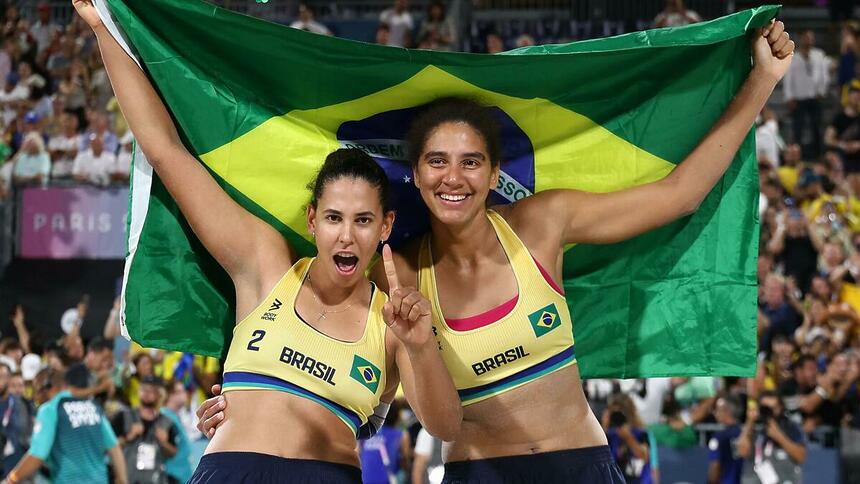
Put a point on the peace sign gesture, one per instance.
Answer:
(407, 311)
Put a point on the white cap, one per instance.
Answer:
(30, 366)
(69, 320)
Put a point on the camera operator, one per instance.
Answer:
(772, 445)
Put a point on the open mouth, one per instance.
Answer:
(345, 262)
(453, 198)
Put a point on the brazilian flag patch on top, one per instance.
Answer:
(365, 373)
(545, 320)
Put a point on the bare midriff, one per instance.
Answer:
(285, 425)
(545, 415)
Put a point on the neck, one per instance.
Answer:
(327, 291)
(462, 244)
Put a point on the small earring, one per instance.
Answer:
(313, 234)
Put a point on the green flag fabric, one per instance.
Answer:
(261, 105)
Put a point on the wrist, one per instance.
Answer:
(421, 351)
(762, 77)
(822, 392)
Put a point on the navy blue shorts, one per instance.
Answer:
(252, 467)
(589, 465)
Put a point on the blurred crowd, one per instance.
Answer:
(59, 121)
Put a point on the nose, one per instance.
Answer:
(345, 235)
(452, 175)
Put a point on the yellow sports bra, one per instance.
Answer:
(533, 338)
(274, 349)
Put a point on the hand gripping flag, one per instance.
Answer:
(261, 105)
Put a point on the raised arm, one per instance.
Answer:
(426, 382)
(243, 244)
(601, 218)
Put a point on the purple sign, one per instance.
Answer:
(73, 223)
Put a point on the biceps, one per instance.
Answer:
(227, 230)
(603, 218)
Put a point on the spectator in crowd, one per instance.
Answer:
(849, 47)
(99, 125)
(772, 446)
(71, 435)
(16, 421)
(794, 249)
(12, 96)
(494, 43)
(63, 147)
(32, 163)
(99, 361)
(382, 34)
(628, 439)
(143, 367)
(767, 138)
(427, 465)
(44, 28)
(804, 86)
(306, 21)
(149, 437)
(524, 40)
(676, 14)
(122, 170)
(400, 24)
(724, 463)
(673, 431)
(780, 316)
(843, 134)
(437, 31)
(176, 408)
(93, 165)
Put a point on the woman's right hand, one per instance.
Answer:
(88, 12)
(210, 413)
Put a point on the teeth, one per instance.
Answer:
(452, 198)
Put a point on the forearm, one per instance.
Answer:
(25, 468)
(434, 397)
(142, 107)
(23, 336)
(118, 460)
(168, 448)
(639, 450)
(796, 451)
(701, 170)
(745, 442)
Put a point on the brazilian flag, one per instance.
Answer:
(261, 105)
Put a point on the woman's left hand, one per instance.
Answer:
(772, 50)
(407, 311)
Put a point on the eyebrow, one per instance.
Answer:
(471, 154)
(366, 213)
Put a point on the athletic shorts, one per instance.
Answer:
(589, 465)
(252, 467)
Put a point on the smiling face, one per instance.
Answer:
(454, 173)
(348, 223)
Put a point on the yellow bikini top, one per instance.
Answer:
(274, 349)
(533, 338)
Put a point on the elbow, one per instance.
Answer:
(689, 208)
(447, 428)
(800, 458)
